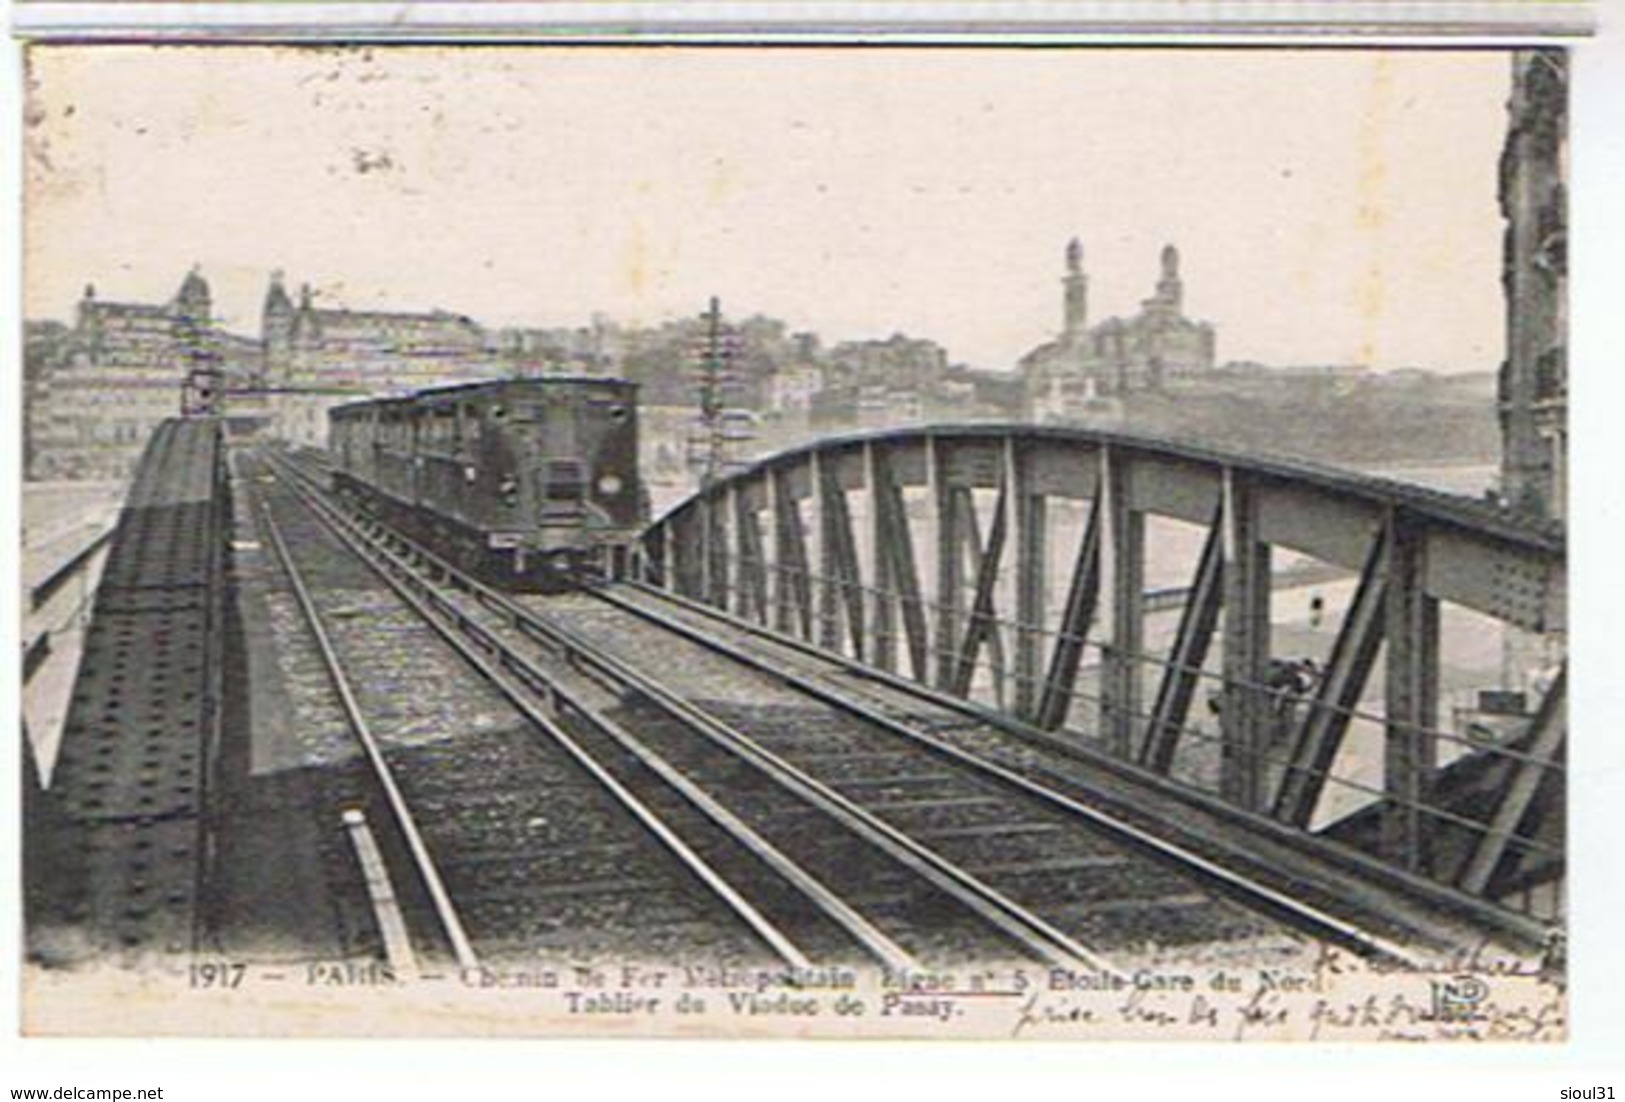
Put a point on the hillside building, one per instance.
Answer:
(97, 388)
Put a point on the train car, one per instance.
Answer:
(531, 484)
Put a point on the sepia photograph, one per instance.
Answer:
(1057, 543)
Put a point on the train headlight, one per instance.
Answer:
(609, 485)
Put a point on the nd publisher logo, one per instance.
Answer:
(1457, 999)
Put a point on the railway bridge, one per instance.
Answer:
(1008, 567)
(933, 695)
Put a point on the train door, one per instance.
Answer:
(556, 468)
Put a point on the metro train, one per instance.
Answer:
(529, 484)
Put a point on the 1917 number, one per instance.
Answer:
(222, 974)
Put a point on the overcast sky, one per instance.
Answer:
(1330, 206)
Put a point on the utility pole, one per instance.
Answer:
(711, 445)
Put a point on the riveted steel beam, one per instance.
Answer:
(1031, 581)
(1182, 676)
(896, 544)
(1319, 734)
(1122, 579)
(689, 559)
(714, 544)
(1515, 585)
(827, 592)
(950, 564)
(704, 566)
(792, 603)
(883, 593)
(673, 554)
(734, 597)
(752, 561)
(654, 563)
(1245, 713)
(843, 582)
(1411, 753)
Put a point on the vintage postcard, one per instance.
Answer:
(1059, 543)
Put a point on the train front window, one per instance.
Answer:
(564, 480)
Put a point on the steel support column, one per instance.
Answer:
(689, 553)
(1031, 582)
(843, 584)
(668, 558)
(895, 537)
(1122, 579)
(1245, 710)
(714, 515)
(733, 552)
(883, 605)
(793, 607)
(1182, 676)
(706, 534)
(950, 567)
(1411, 754)
(827, 597)
(752, 561)
(783, 593)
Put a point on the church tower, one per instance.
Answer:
(194, 346)
(1076, 319)
(1170, 294)
(192, 302)
(276, 329)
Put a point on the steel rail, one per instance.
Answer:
(1432, 892)
(445, 910)
(1313, 917)
(1013, 920)
(1281, 757)
(520, 680)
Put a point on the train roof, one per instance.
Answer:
(485, 386)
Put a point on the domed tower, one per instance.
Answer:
(1075, 319)
(195, 346)
(276, 328)
(1170, 288)
(89, 324)
(192, 302)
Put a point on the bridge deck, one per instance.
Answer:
(115, 854)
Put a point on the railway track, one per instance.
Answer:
(509, 844)
(944, 856)
(948, 745)
(1133, 899)
(896, 904)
